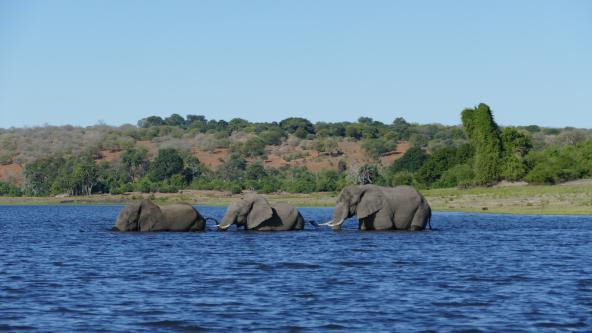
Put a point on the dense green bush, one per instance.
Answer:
(377, 147)
(460, 175)
(167, 163)
(402, 178)
(7, 189)
(412, 161)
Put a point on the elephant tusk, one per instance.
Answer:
(337, 224)
(329, 223)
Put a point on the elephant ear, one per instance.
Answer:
(370, 203)
(151, 217)
(260, 211)
(127, 220)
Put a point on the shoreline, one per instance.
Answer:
(541, 200)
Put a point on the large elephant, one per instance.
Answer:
(146, 216)
(253, 212)
(382, 208)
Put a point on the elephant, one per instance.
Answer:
(146, 216)
(254, 212)
(382, 208)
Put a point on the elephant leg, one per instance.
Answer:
(361, 225)
(382, 220)
(299, 224)
(420, 219)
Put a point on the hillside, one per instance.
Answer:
(293, 155)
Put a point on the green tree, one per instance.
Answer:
(484, 136)
(40, 175)
(84, 176)
(168, 162)
(136, 163)
(401, 128)
(150, 122)
(412, 161)
(7, 189)
(294, 124)
(254, 147)
(516, 146)
(175, 120)
(376, 147)
(233, 168)
(402, 178)
(327, 180)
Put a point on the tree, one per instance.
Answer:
(327, 180)
(84, 176)
(440, 161)
(376, 147)
(150, 122)
(484, 136)
(401, 128)
(168, 162)
(412, 161)
(7, 189)
(294, 124)
(253, 148)
(175, 120)
(516, 146)
(237, 124)
(402, 178)
(135, 161)
(41, 174)
(233, 168)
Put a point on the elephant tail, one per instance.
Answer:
(430, 218)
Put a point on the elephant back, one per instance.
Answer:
(182, 217)
(285, 211)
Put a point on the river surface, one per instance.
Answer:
(62, 269)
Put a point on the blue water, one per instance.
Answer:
(62, 269)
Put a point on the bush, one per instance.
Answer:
(412, 161)
(542, 174)
(459, 175)
(7, 189)
(376, 147)
(167, 163)
(327, 181)
(402, 178)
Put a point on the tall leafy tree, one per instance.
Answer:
(484, 135)
(168, 163)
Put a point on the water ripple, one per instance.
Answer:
(62, 269)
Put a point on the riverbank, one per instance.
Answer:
(557, 199)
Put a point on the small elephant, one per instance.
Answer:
(382, 208)
(146, 216)
(253, 212)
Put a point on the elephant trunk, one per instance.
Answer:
(228, 219)
(339, 215)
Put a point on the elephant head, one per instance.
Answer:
(359, 200)
(139, 216)
(251, 210)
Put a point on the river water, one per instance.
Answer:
(62, 269)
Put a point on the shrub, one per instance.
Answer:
(402, 178)
(7, 189)
(459, 175)
(167, 163)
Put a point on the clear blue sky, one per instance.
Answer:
(81, 62)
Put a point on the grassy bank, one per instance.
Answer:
(558, 199)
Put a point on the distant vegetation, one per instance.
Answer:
(159, 155)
